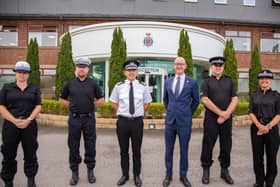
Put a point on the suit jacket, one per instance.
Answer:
(181, 108)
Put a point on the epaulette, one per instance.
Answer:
(143, 83)
(119, 83)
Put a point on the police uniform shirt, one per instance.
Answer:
(81, 95)
(20, 103)
(120, 95)
(266, 105)
(220, 92)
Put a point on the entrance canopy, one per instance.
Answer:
(145, 39)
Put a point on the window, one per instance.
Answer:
(241, 40)
(8, 35)
(270, 42)
(221, 1)
(190, 1)
(45, 35)
(249, 2)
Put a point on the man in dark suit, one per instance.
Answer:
(181, 99)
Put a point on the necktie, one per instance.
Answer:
(131, 100)
(177, 87)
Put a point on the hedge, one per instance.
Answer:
(156, 110)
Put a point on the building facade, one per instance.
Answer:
(208, 22)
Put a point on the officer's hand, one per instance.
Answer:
(23, 123)
(220, 120)
(262, 130)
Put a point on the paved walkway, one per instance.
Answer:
(54, 172)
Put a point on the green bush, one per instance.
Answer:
(242, 108)
(156, 110)
(198, 111)
(53, 107)
(106, 110)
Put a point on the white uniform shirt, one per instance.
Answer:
(120, 95)
(182, 81)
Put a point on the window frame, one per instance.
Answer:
(41, 32)
(242, 34)
(220, 3)
(270, 36)
(9, 29)
(245, 3)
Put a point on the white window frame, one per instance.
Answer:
(190, 1)
(224, 2)
(6, 32)
(249, 2)
(42, 32)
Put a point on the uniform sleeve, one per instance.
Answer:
(97, 92)
(114, 98)
(3, 94)
(147, 95)
(38, 100)
(204, 88)
(65, 91)
(278, 104)
(233, 90)
(251, 104)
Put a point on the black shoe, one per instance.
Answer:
(205, 176)
(122, 180)
(167, 180)
(91, 177)
(9, 184)
(137, 181)
(185, 181)
(226, 176)
(75, 178)
(31, 182)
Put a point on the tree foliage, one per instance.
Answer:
(32, 58)
(117, 58)
(65, 69)
(255, 68)
(185, 51)
(231, 62)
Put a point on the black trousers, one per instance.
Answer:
(12, 136)
(270, 143)
(130, 129)
(77, 126)
(211, 131)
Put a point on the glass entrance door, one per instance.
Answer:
(154, 82)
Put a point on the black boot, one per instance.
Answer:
(75, 178)
(226, 176)
(9, 184)
(91, 177)
(205, 176)
(31, 182)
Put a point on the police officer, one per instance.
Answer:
(264, 111)
(20, 103)
(218, 95)
(81, 95)
(130, 99)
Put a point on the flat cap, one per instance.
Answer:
(82, 61)
(22, 66)
(217, 60)
(265, 74)
(130, 64)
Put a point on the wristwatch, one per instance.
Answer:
(269, 126)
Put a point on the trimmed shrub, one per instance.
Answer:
(156, 110)
(106, 110)
(242, 108)
(53, 107)
(198, 111)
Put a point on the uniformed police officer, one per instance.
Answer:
(20, 103)
(264, 111)
(81, 95)
(218, 95)
(130, 99)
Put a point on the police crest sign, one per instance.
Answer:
(148, 40)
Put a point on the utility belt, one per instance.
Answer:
(130, 118)
(264, 121)
(21, 117)
(81, 115)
